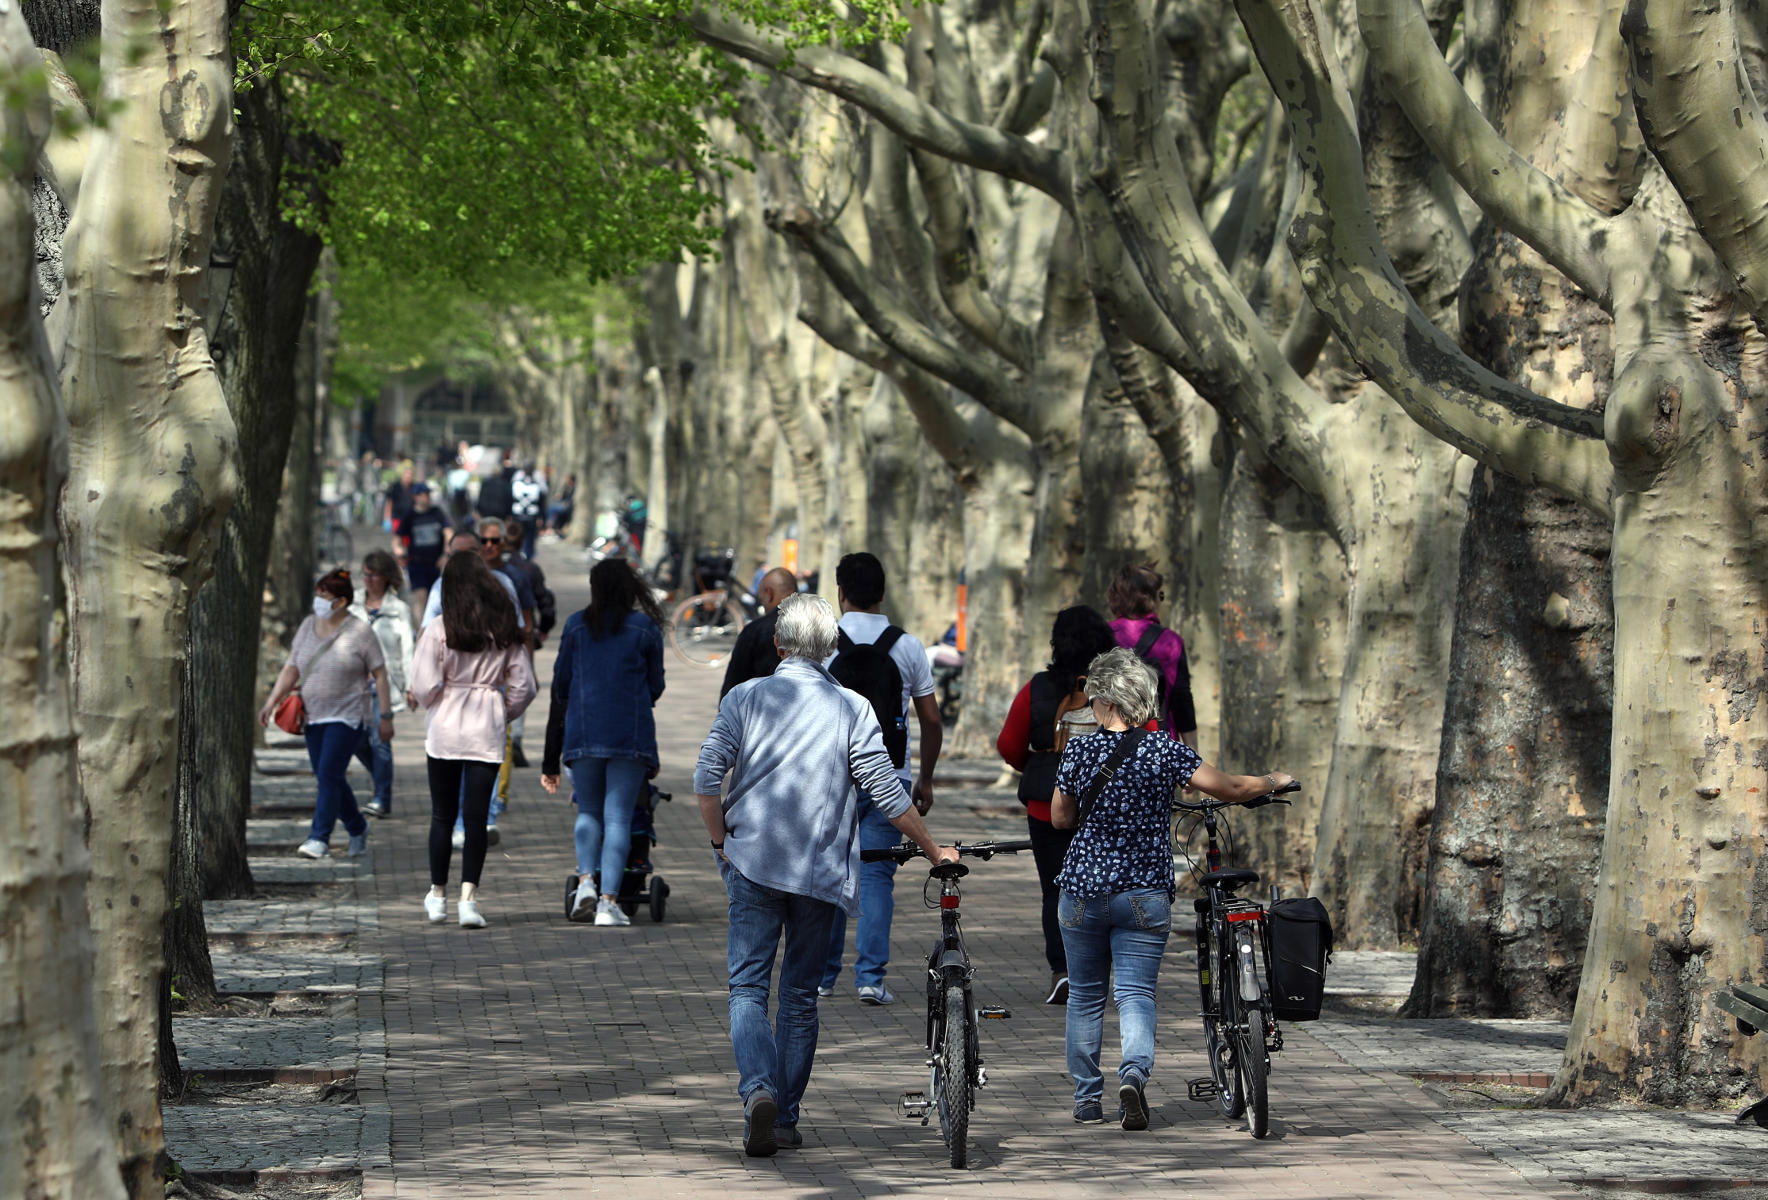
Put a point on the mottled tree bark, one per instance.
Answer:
(55, 1135)
(153, 472)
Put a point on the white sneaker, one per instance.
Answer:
(435, 908)
(583, 904)
(610, 914)
(358, 845)
(459, 840)
(312, 848)
(469, 915)
(492, 837)
(876, 995)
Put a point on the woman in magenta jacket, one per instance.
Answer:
(1133, 598)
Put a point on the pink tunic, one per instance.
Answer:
(464, 696)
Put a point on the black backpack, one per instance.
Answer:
(1145, 652)
(868, 669)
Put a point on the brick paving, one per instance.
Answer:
(1446, 1046)
(289, 917)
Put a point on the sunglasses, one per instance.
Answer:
(492, 541)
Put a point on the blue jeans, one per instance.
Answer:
(377, 756)
(1122, 935)
(606, 793)
(329, 748)
(877, 905)
(777, 1058)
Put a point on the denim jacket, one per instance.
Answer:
(602, 693)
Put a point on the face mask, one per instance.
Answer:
(322, 607)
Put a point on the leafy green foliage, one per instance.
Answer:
(552, 136)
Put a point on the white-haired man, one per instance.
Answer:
(797, 746)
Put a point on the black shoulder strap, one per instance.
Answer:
(888, 638)
(1145, 643)
(1126, 747)
(843, 643)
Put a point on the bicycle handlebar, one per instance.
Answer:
(1212, 804)
(908, 850)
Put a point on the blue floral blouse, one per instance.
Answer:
(1126, 842)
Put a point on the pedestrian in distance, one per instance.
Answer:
(608, 674)
(472, 676)
(1115, 789)
(890, 668)
(799, 748)
(377, 601)
(1134, 596)
(418, 536)
(754, 656)
(1047, 711)
(334, 660)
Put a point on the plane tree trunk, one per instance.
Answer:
(153, 471)
(56, 1136)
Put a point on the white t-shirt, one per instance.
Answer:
(910, 657)
(433, 606)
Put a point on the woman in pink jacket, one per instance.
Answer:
(470, 672)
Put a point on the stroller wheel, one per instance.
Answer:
(570, 894)
(659, 897)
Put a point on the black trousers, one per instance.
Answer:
(1048, 845)
(454, 783)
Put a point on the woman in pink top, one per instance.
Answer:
(471, 674)
(1134, 593)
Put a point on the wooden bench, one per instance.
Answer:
(1749, 1005)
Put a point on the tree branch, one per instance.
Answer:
(897, 108)
(1357, 290)
(957, 267)
(1139, 172)
(1566, 231)
(883, 312)
(954, 435)
(1700, 117)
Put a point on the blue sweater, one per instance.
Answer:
(602, 692)
(797, 745)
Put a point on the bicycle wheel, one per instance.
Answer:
(703, 629)
(951, 1075)
(1224, 1056)
(338, 548)
(1249, 1057)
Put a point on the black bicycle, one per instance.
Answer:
(953, 1048)
(1233, 973)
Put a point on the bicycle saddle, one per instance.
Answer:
(951, 870)
(1230, 878)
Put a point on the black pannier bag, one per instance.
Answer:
(1301, 945)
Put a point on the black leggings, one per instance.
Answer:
(1048, 846)
(446, 798)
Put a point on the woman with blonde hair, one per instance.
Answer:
(1116, 884)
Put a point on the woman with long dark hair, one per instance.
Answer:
(608, 675)
(471, 674)
(1029, 742)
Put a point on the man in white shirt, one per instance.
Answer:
(860, 584)
(467, 541)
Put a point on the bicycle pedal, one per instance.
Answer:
(912, 1105)
(994, 1012)
(1202, 1089)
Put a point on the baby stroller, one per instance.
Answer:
(637, 884)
